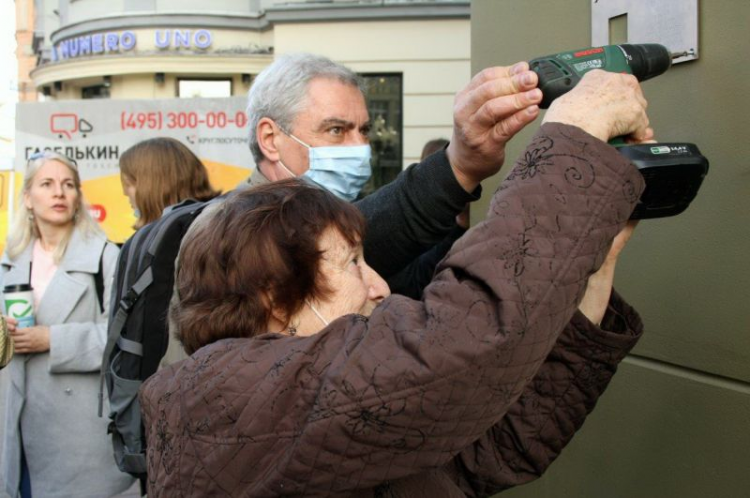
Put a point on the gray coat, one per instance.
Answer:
(51, 398)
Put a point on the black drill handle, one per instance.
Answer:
(555, 79)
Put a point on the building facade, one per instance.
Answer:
(414, 55)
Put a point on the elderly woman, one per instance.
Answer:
(53, 440)
(307, 379)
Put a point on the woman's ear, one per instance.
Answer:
(280, 324)
(277, 321)
(27, 200)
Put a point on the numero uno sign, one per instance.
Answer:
(101, 43)
(182, 38)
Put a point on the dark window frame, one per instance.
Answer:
(382, 174)
(100, 91)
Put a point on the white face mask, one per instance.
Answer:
(342, 170)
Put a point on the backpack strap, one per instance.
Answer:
(99, 280)
(123, 310)
(118, 323)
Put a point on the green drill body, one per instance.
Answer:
(559, 73)
(673, 172)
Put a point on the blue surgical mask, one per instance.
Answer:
(342, 170)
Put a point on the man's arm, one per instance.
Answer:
(412, 280)
(412, 214)
(418, 209)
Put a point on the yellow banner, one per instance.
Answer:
(5, 200)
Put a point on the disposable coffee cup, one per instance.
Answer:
(19, 304)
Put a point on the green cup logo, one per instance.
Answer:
(19, 308)
(19, 304)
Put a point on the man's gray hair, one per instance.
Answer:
(279, 91)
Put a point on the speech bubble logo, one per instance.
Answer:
(63, 124)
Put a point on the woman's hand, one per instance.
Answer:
(599, 287)
(11, 322)
(605, 105)
(30, 339)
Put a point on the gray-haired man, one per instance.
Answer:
(308, 118)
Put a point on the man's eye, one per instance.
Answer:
(365, 130)
(336, 131)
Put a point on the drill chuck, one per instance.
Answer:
(647, 60)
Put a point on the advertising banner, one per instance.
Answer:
(96, 132)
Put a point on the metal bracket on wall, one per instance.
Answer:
(673, 23)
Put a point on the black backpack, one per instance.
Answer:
(138, 329)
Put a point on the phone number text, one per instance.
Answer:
(157, 120)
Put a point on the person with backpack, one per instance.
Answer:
(306, 378)
(54, 444)
(159, 172)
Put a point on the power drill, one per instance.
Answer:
(673, 171)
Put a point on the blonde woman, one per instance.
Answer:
(54, 443)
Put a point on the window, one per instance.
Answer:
(192, 88)
(384, 103)
(95, 92)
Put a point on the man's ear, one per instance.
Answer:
(267, 133)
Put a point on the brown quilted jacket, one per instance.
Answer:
(474, 389)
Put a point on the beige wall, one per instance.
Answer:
(434, 58)
(82, 10)
(676, 420)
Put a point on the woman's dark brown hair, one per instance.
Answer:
(164, 172)
(255, 252)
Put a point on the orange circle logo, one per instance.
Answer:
(98, 212)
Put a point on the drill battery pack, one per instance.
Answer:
(673, 172)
